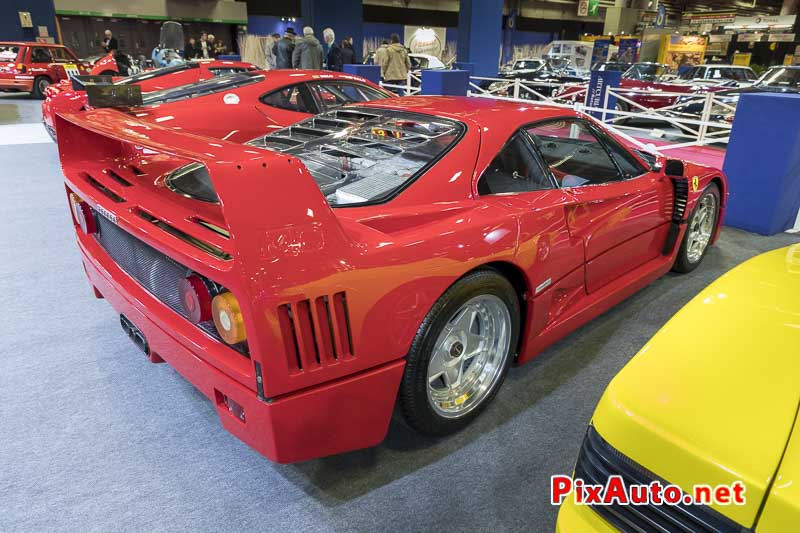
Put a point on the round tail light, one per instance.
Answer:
(83, 214)
(228, 318)
(196, 298)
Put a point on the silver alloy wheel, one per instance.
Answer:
(701, 227)
(469, 356)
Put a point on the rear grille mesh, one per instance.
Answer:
(598, 460)
(316, 332)
(155, 272)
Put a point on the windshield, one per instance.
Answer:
(202, 88)
(780, 77)
(645, 72)
(527, 64)
(360, 155)
(614, 67)
(719, 73)
(9, 52)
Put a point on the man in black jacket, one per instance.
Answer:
(110, 42)
(284, 48)
(189, 51)
(348, 52)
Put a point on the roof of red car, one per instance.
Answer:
(483, 111)
(31, 43)
(289, 75)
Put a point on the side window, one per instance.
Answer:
(626, 162)
(575, 156)
(41, 55)
(289, 98)
(515, 169)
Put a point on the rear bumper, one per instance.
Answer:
(17, 82)
(335, 417)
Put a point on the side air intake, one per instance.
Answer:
(316, 332)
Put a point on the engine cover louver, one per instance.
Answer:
(316, 332)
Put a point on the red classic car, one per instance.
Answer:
(61, 97)
(402, 250)
(32, 67)
(241, 106)
(647, 88)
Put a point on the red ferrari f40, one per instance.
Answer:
(405, 250)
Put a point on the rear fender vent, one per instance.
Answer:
(103, 189)
(316, 332)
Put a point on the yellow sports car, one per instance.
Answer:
(699, 431)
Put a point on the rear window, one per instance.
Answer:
(362, 155)
(201, 88)
(9, 52)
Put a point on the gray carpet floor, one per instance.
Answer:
(95, 438)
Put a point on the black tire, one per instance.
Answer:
(622, 106)
(40, 83)
(109, 73)
(683, 263)
(413, 396)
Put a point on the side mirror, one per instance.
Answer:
(673, 168)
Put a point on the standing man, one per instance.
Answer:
(396, 63)
(380, 56)
(212, 46)
(308, 51)
(348, 52)
(110, 42)
(203, 52)
(189, 51)
(335, 59)
(284, 48)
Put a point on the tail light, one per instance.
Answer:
(21, 68)
(196, 298)
(228, 318)
(83, 214)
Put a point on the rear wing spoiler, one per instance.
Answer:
(114, 95)
(270, 202)
(79, 83)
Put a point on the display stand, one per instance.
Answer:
(370, 72)
(447, 82)
(763, 163)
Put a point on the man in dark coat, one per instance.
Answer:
(284, 48)
(110, 42)
(348, 52)
(307, 51)
(189, 51)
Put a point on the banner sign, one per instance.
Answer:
(628, 50)
(762, 22)
(594, 8)
(583, 8)
(600, 50)
(598, 88)
(709, 17)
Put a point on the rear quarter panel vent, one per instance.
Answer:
(316, 332)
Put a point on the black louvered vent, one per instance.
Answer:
(316, 332)
(598, 461)
(680, 187)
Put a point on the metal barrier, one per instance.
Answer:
(409, 88)
(687, 128)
